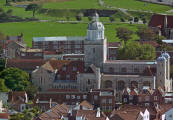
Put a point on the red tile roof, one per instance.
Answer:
(25, 64)
(114, 44)
(158, 20)
(154, 44)
(55, 112)
(86, 104)
(4, 116)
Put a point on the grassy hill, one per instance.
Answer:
(40, 29)
(137, 5)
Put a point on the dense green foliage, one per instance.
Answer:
(33, 8)
(124, 34)
(15, 79)
(28, 114)
(3, 87)
(146, 34)
(2, 64)
(135, 51)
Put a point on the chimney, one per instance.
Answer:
(50, 102)
(165, 22)
(98, 112)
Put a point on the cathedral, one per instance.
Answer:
(96, 71)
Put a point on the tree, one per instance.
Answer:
(89, 18)
(3, 87)
(32, 7)
(9, 12)
(124, 34)
(79, 16)
(122, 20)
(15, 79)
(2, 64)
(136, 19)
(146, 34)
(135, 51)
(31, 90)
(112, 19)
(144, 20)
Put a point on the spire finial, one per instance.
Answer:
(96, 17)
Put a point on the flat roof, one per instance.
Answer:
(30, 50)
(130, 62)
(59, 38)
(167, 41)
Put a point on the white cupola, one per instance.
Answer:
(95, 30)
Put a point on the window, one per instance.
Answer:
(147, 98)
(93, 50)
(23, 54)
(73, 96)
(68, 77)
(103, 107)
(110, 101)
(89, 82)
(104, 101)
(111, 70)
(95, 97)
(123, 69)
(84, 96)
(67, 96)
(110, 107)
(136, 70)
(155, 97)
(58, 77)
(74, 68)
(64, 68)
(130, 97)
(125, 99)
(78, 97)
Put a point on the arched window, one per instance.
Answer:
(108, 84)
(121, 85)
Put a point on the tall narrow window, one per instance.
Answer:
(93, 50)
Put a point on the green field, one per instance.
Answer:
(73, 4)
(39, 29)
(137, 5)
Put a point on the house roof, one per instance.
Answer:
(4, 116)
(90, 114)
(158, 20)
(114, 44)
(129, 112)
(86, 104)
(153, 43)
(59, 38)
(25, 64)
(53, 64)
(55, 112)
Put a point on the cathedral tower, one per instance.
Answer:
(95, 44)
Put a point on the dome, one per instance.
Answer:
(161, 58)
(166, 55)
(95, 26)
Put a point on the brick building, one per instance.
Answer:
(105, 99)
